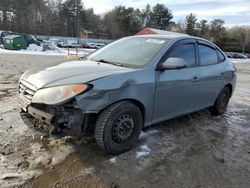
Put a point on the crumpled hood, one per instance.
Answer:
(71, 72)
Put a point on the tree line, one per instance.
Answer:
(235, 39)
(71, 18)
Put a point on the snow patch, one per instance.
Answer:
(11, 176)
(87, 171)
(143, 151)
(113, 160)
(61, 154)
(240, 60)
(39, 155)
(51, 49)
(145, 134)
(34, 48)
(55, 153)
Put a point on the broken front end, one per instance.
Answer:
(63, 117)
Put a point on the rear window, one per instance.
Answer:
(208, 55)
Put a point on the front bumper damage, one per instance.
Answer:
(67, 119)
(54, 118)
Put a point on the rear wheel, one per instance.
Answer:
(118, 127)
(221, 102)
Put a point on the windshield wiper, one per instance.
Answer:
(110, 62)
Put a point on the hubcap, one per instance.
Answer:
(123, 128)
(223, 100)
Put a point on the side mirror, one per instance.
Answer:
(172, 63)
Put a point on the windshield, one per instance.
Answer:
(134, 52)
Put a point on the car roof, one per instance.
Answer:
(174, 37)
(171, 36)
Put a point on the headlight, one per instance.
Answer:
(58, 94)
(23, 75)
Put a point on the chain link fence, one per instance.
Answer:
(58, 39)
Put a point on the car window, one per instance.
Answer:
(134, 52)
(4, 34)
(208, 55)
(221, 56)
(185, 52)
(29, 38)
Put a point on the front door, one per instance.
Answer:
(176, 89)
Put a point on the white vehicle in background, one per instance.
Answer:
(74, 45)
(69, 44)
(62, 45)
(55, 41)
(100, 45)
(94, 45)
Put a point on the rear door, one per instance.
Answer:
(176, 89)
(211, 78)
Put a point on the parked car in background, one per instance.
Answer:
(118, 90)
(248, 55)
(74, 45)
(4, 34)
(229, 54)
(85, 45)
(93, 45)
(31, 40)
(55, 41)
(100, 45)
(40, 40)
(239, 56)
(62, 44)
(236, 55)
(68, 45)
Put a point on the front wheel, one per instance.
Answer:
(118, 127)
(221, 102)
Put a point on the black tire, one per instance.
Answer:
(221, 103)
(118, 127)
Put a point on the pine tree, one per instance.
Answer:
(160, 17)
(190, 24)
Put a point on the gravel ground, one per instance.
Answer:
(197, 150)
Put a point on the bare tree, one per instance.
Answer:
(243, 37)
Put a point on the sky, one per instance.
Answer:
(233, 12)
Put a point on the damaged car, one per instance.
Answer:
(130, 84)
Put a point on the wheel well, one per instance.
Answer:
(91, 119)
(230, 88)
(134, 101)
(139, 105)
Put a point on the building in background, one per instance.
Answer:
(152, 31)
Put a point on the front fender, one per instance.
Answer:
(138, 85)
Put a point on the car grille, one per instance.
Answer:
(26, 93)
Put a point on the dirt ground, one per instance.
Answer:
(197, 150)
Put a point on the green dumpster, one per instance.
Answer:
(15, 42)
